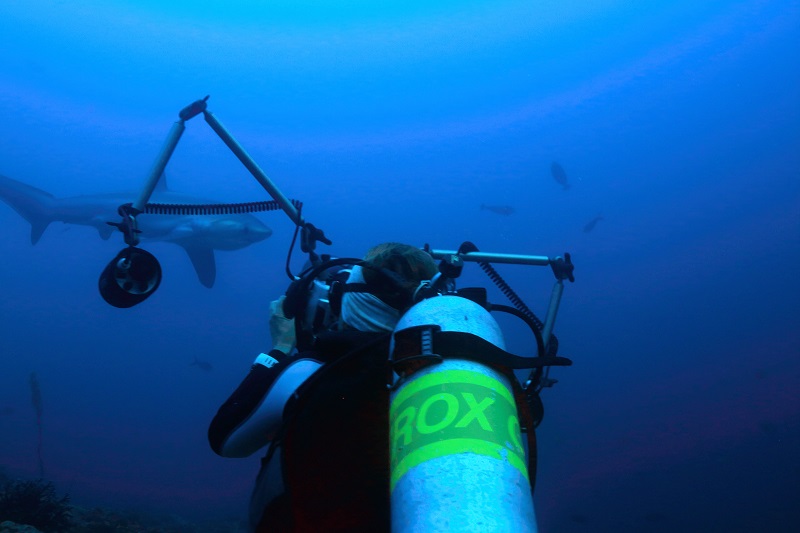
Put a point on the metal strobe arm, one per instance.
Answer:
(130, 211)
(487, 257)
(253, 167)
(562, 268)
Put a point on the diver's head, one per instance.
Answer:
(382, 288)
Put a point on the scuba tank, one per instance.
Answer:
(457, 458)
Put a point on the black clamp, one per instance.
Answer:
(563, 267)
(193, 109)
(128, 226)
(309, 236)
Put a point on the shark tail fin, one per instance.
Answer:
(34, 205)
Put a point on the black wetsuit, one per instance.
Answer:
(333, 447)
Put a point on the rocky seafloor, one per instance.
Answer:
(100, 520)
(31, 506)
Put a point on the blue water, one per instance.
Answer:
(677, 121)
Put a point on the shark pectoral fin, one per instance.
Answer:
(37, 229)
(105, 231)
(204, 264)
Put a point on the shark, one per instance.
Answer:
(198, 235)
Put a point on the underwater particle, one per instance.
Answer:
(655, 517)
(579, 518)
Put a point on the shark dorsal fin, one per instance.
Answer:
(161, 184)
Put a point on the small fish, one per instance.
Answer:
(36, 397)
(504, 210)
(559, 175)
(36, 400)
(205, 366)
(592, 223)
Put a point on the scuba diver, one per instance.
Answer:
(321, 403)
(388, 399)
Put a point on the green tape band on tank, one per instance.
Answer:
(453, 412)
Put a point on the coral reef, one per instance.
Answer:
(35, 503)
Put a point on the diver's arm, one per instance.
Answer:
(241, 405)
(248, 420)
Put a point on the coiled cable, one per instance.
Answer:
(216, 209)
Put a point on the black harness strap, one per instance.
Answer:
(413, 350)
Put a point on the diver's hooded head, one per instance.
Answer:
(389, 275)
